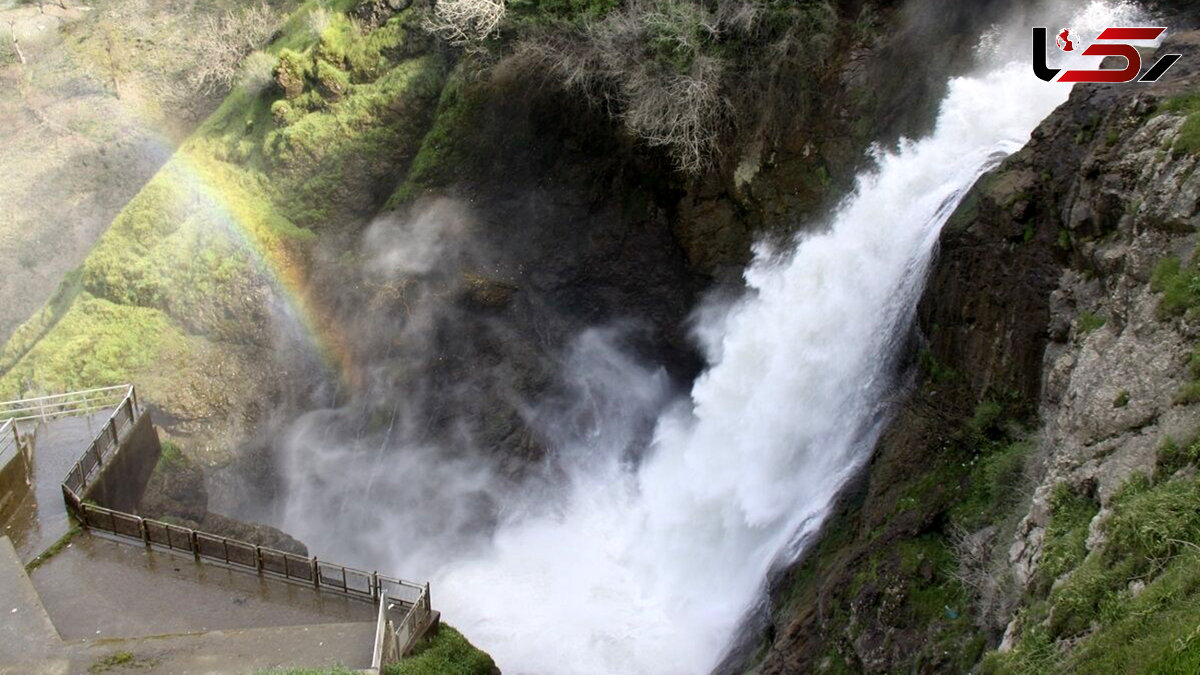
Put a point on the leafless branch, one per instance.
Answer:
(222, 42)
(462, 22)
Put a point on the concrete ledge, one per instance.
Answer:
(26, 632)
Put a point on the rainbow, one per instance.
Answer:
(191, 173)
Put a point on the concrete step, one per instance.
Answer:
(26, 632)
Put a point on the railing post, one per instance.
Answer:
(112, 428)
(376, 593)
(258, 566)
(144, 531)
(225, 546)
(316, 573)
(195, 545)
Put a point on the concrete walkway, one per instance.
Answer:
(152, 612)
(105, 605)
(41, 519)
(99, 588)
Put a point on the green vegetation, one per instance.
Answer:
(229, 219)
(1089, 322)
(1121, 399)
(446, 652)
(935, 370)
(171, 457)
(992, 485)
(445, 147)
(96, 343)
(1064, 546)
(55, 548)
(908, 561)
(1179, 285)
(541, 11)
(1133, 603)
(114, 660)
(1187, 105)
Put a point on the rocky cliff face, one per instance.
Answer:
(1034, 491)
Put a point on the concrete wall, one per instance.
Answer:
(14, 483)
(123, 479)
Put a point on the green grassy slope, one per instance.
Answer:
(227, 225)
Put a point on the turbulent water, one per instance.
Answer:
(650, 567)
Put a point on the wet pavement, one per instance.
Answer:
(41, 518)
(100, 588)
(100, 599)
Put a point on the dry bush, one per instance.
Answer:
(647, 65)
(257, 72)
(221, 42)
(986, 578)
(462, 22)
(319, 20)
(683, 76)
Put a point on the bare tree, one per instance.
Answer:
(462, 22)
(223, 41)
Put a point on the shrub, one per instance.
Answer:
(333, 80)
(1156, 523)
(1089, 322)
(465, 21)
(1065, 543)
(1179, 285)
(223, 41)
(291, 72)
(1121, 399)
(258, 72)
(1173, 456)
(680, 75)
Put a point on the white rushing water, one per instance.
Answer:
(650, 568)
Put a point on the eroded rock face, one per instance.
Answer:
(176, 493)
(1041, 297)
(1110, 392)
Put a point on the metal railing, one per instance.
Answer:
(404, 607)
(45, 408)
(10, 442)
(102, 447)
(404, 613)
(236, 554)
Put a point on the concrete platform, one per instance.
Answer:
(100, 588)
(41, 519)
(173, 618)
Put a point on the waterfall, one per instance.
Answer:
(649, 568)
